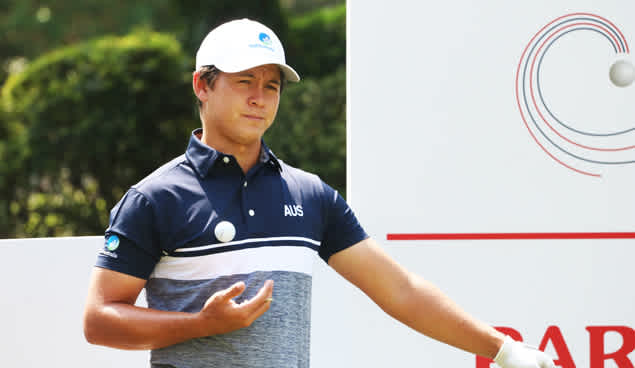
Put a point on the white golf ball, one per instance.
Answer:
(622, 73)
(225, 231)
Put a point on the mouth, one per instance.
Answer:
(253, 117)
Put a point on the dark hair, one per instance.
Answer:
(208, 73)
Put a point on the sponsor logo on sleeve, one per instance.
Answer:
(112, 243)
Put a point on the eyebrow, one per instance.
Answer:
(246, 74)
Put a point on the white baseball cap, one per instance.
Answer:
(240, 45)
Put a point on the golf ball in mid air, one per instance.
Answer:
(225, 231)
(622, 73)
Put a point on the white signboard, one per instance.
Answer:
(491, 150)
(44, 288)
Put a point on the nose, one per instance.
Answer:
(256, 97)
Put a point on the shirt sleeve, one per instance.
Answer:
(130, 245)
(342, 228)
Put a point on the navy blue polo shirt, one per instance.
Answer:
(165, 228)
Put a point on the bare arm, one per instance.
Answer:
(112, 319)
(413, 300)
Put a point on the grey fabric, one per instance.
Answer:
(280, 338)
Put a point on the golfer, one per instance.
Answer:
(223, 239)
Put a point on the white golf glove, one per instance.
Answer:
(514, 354)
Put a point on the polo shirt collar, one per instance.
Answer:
(202, 157)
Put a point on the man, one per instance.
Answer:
(209, 233)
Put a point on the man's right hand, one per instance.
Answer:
(221, 314)
(111, 317)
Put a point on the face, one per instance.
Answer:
(241, 106)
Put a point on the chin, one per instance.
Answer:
(248, 139)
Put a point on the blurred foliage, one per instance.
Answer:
(106, 112)
(304, 6)
(317, 42)
(57, 207)
(310, 128)
(29, 28)
(198, 17)
(81, 123)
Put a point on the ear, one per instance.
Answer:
(199, 86)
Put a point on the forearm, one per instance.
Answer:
(126, 326)
(422, 306)
(412, 300)
(426, 309)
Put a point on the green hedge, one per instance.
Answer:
(106, 112)
(86, 107)
(317, 42)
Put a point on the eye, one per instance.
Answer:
(273, 88)
(246, 81)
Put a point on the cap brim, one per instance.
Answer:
(289, 74)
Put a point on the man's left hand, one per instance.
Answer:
(515, 354)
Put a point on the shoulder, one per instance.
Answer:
(293, 173)
(157, 193)
(170, 173)
(167, 169)
(164, 185)
(301, 179)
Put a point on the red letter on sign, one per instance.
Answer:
(596, 340)
(482, 362)
(564, 356)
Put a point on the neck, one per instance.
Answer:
(246, 155)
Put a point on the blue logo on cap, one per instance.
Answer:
(112, 243)
(264, 38)
(265, 42)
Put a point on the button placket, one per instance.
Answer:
(253, 196)
(247, 206)
(251, 212)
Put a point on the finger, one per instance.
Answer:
(232, 292)
(259, 311)
(265, 292)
